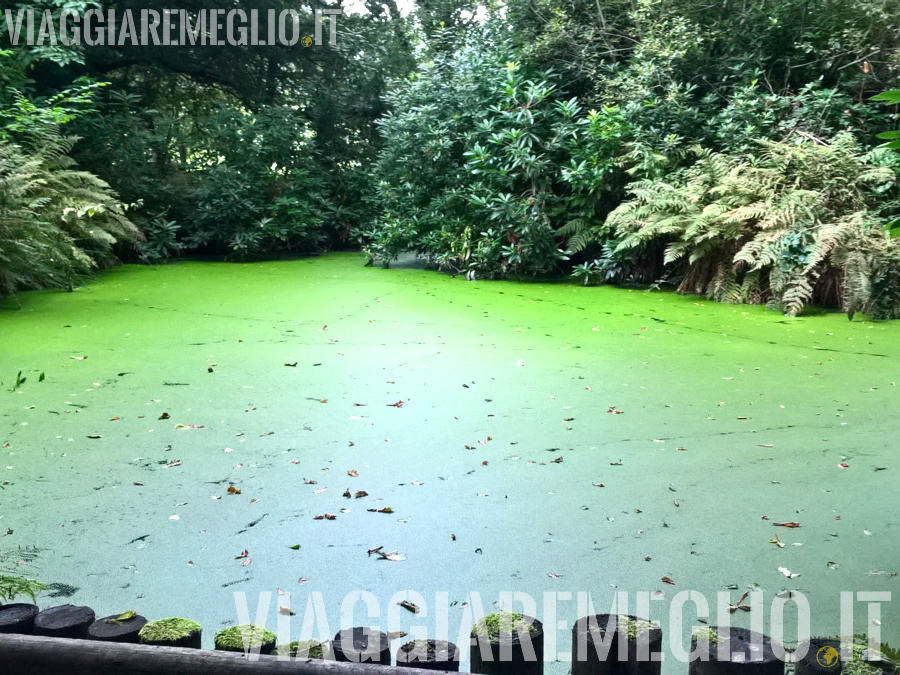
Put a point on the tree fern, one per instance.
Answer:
(765, 227)
(56, 223)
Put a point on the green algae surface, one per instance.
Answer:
(527, 437)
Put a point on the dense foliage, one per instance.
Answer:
(729, 149)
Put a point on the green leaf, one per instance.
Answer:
(889, 134)
(892, 96)
(295, 547)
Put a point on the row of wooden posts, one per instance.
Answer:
(70, 639)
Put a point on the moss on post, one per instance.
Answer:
(245, 637)
(501, 624)
(171, 632)
(306, 649)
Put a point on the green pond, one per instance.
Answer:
(483, 416)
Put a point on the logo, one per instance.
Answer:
(828, 656)
(306, 41)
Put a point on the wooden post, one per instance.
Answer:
(18, 618)
(612, 644)
(64, 621)
(521, 653)
(362, 645)
(823, 657)
(112, 629)
(740, 653)
(31, 655)
(432, 655)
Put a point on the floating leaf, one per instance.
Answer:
(786, 572)
(242, 554)
(386, 509)
(361, 493)
(232, 490)
(777, 542)
(553, 575)
(668, 580)
(353, 473)
(176, 462)
(295, 547)
(598, 484)
(164, 416)
(558, 460)
(284, 609)
(398, 404)
(326, 516)
(792, 523)
(405, 604)
(614, 411)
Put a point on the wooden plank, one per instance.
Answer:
(32, 655)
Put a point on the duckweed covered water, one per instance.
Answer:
(484, 415)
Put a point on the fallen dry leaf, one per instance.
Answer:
(353, 473)
(233, 490)
(386, 509)
(398, 404)
(792, 523)
(405, 604)
(326, 516)
(668, 580)
(243, 554)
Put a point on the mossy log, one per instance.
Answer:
(31, 655)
